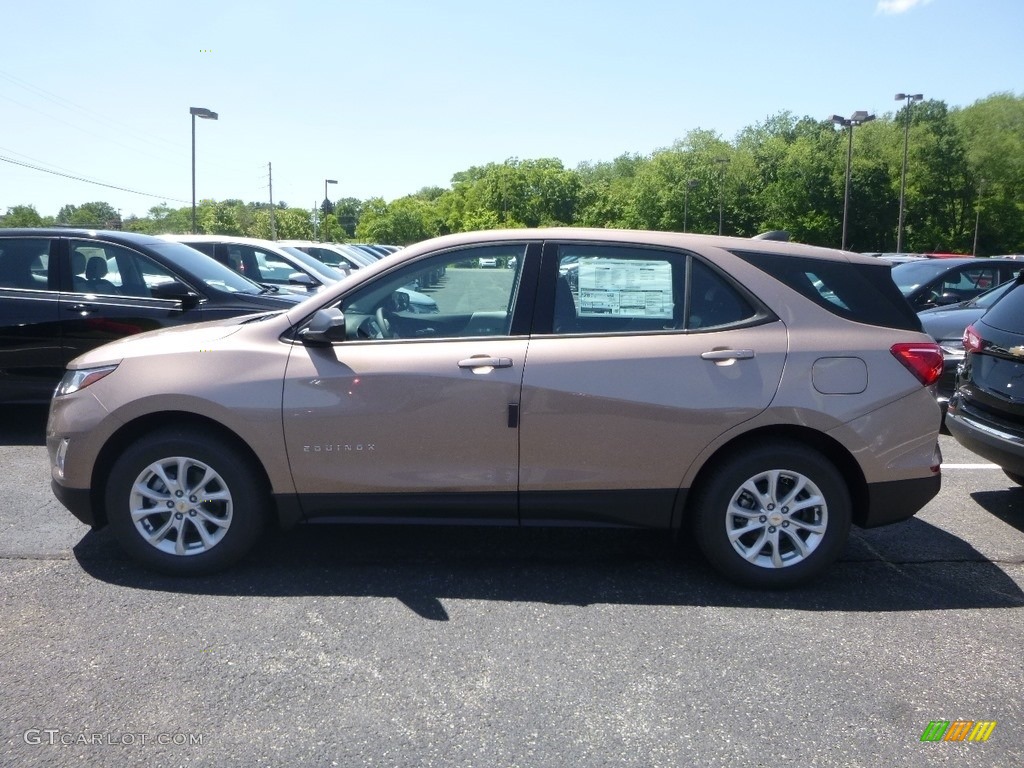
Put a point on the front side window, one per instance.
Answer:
(112, 270)
(445, 296)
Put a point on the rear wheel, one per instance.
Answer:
(773, 516)
(184, 503)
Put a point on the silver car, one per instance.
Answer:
(757, 396)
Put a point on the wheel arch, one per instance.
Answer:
(830, 448)
(151, 422)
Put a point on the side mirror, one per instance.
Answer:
(326, 327)
(400, 301)
(301, 278)
(175, 291)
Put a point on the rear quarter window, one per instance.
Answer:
(864, 293)
(1007, 313)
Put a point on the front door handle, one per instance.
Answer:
(727, 356)
(485, 361)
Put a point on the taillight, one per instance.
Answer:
(972, 341)
(923, 359)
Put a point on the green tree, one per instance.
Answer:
(97, 215)
(993, 132)
(22, 216)
(404, 221)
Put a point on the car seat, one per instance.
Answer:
(95, 276)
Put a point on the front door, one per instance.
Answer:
(414, 416)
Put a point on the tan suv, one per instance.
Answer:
(759, 396)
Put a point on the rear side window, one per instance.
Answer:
(24, 263)
(864, 293)
(620, 289)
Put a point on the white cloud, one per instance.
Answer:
(892, 7)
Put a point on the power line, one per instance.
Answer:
(89, 181)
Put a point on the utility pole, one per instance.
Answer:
(270, 184)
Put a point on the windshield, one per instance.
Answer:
(206, 269)
(317, 267)
(913, 274)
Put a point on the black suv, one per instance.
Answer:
(986, 413)
(65, 291)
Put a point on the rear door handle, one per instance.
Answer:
(82, 309)
(483, 361)
(727, 355)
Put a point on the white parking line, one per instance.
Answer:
(971, 466)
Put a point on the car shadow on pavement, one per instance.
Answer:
(23, 424)
(1007, 505)
(919, 568)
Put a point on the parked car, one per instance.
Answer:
(65, 291)
(947, 324)
(333, 254)
(986, 412)
(938, 282)
(264, 261)
(756, 395)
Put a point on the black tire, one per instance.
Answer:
(822, 528)
(1018, 479)
(198, 533)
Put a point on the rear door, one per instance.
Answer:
(31, 358)
(643, 358)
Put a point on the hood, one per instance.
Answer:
(181, 338)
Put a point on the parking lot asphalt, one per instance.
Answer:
(377, 646)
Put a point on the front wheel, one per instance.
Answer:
(185, 504)
(774, 516)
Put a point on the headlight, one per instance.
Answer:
(82, 378)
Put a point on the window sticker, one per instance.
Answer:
(624, 288)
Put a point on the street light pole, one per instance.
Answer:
(857, 118)
(722, 162)
(205, 114)
(977, 217)
(690, 184)
(910, 99)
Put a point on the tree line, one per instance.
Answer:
(964, 187)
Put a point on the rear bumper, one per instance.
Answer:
(898, 500)
(1000, 445)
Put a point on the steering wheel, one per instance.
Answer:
(384, 324)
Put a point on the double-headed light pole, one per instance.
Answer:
(857, 118)
(910, 98)
(205, 114)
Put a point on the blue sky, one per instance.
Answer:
(388, 96)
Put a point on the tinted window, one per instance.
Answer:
(104, 268)
(1008, 313)
(864, 293)
(23, 263)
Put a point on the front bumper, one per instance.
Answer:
(78, 502)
